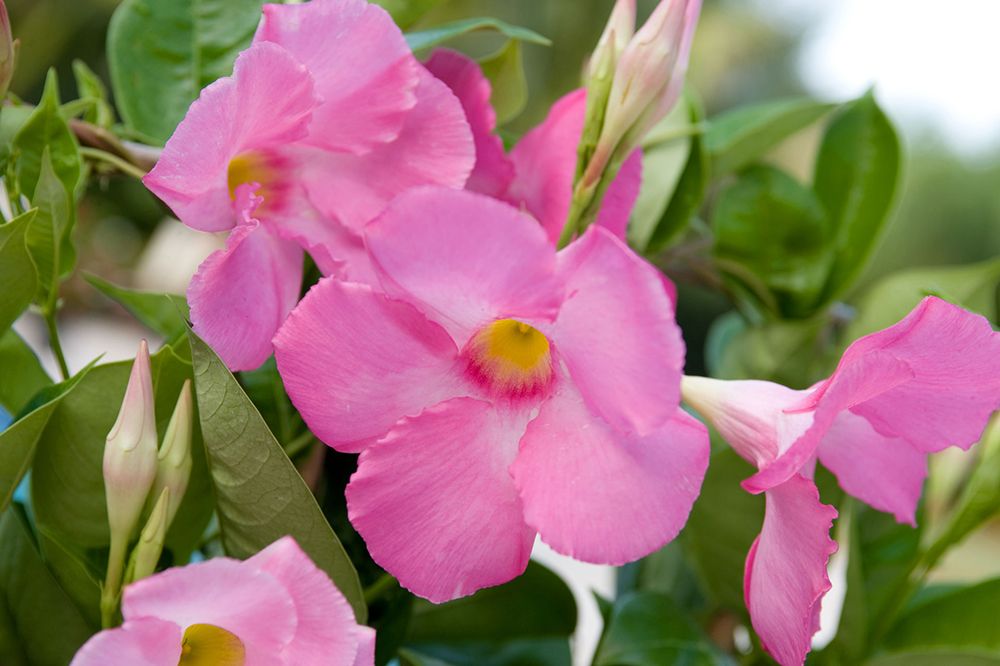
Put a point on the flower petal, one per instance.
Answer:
(467, 258)
(493, 171)
(325, 632)
(786, 575)
(366, 646)
(885, 472)
(242, 294)
(364, 71)
(268, 101)
(617, 334)
(435, 504)
(603, 496)
(249, 603)
(146, 641)
(355, 361)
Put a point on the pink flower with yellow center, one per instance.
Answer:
(929, 382)
(326, 117)
(497, 389)
(274, 609)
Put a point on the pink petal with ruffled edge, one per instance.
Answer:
(326, 632)
(364, 71)
(242, 294)
(464, 258)
(545, 165)
(147, 641)
(493, 171)
(885, 472)
(355, 361)
(786, 577)
(436, 505)
(249, 603)
(617, 334)
(603, 496)
(267, 102)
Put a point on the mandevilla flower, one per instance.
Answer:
(8, 51)
(496, 388)
(326, 117)
(274, 608)
(929, 382)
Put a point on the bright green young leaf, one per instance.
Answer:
(17, 271)
(856, 174)
(407, 12)
(425, 39)
(165, 314)
(738, 137)
(45, 130)
(163, 52)
(46, 628)
(773, 239)
(90, 87)
(23, 375)
(49, 235)
(505, 70)
(964, 619)
(260, 496)
(648, 629)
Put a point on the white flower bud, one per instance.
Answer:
(173, 465)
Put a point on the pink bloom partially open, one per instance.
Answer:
(276, 608)
(538, 174)
(928, 382)
(496, 388)
(326, 117)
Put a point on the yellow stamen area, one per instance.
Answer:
(512, 357)
(250, 167)
(209, 645)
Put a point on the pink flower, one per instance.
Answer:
(928, 382)
(326, 117)
(276, 608)
(496, 388)
(538, 174)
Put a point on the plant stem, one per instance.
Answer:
(112, 581)
(379, 588)
(54, 343)
(114, 160)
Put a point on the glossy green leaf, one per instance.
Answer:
(23, 375)
(740, 136)
(772, 237)
(45, 130)
(965, 618)
(165, 314)
(90, 87)
(163, 52)
(407, 12)
(260, 496)
(17, 271)
(40, 625)
(856, 174)
(505, 71)
(425, 39)
(648, 629)
(48, 236)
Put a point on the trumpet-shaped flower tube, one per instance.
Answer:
(497, 389)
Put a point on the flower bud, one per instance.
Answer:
(130, 451)
(8, 51)
(173, 465)
(617, 33)
(147, 551)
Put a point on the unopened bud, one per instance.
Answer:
(147, 551)
(173, 465)
(616, 35)
(8, 51)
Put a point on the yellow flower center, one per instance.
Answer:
(261, 167)
(511, 357)
(209, 645)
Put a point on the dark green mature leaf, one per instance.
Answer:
(46, 131)
(505, 71)
(965, 618)
(771, 233)
(937, 658)
(17, 271)
(163, 52)
(47, 629)
(23, 375)
(856, 174)
(260, 497)
(49, 234)
(425, 39)
(737, 137)
(407, 12)
(90, 87)
(648, 629)
(165, 314)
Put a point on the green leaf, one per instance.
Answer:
(91, 87)
(648, 629)
(740, 136)
(260, 497)
(407, 12)
(165, 314)
(772, 234)
(425, 39)
(17, 271)
(856, 174)
(23, 375)
(965, 618)
(46, 628)
(505, 71)
(46, 131)
(937, 658)
(163, 52)
(48, 236)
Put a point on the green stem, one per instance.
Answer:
(379, 588)
(54, 343)
(114, 160)
(111, 591)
